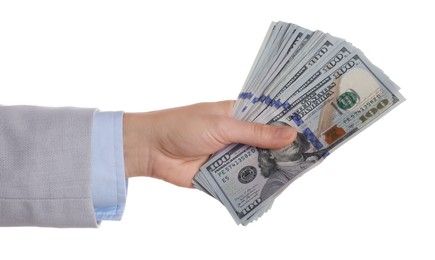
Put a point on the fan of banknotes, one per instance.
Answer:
(317, 83)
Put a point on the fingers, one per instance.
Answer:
(258, 135)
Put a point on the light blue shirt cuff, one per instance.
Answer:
(109, 185)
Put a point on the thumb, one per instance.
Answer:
(259, 135)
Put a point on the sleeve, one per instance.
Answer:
(109, 186)
(46, 167)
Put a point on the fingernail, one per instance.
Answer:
(285, 132)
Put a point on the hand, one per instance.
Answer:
(172, 144)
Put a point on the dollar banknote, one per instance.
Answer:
(327, 89)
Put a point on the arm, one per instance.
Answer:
(46, 155)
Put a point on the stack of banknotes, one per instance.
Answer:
(317, 83)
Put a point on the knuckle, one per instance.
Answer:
(258, 131)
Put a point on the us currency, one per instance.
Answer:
(287, 44)
(308, 69)
(339, 94)
(276, 72)
(296, 86)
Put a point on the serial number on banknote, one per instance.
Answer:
(234, 162)
(367, 105)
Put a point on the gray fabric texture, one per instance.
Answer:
(45, 167)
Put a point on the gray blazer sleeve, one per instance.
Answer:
(45, 167)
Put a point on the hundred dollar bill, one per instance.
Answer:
(283, 43)
(271, 42)
(277, 72)
(311, 67)
(284, 100)
(319, 84)
(335, 107)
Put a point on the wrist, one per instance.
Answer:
(136, 133)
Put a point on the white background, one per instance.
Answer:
(372, 199)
